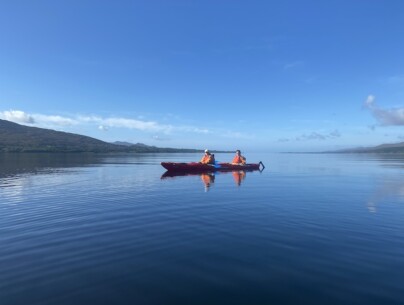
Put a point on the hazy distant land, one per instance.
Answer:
(396, 148)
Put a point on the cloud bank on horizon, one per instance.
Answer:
(104, 124)
(166, 132)
(385, 117)
(111, 129)
(313, 136)
(157, 131)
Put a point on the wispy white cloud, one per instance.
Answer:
(236, 135)
(56, 120)
(159, 138)
(293, 64)
(136, 124)
(89, 119)
(386, 117)
(42, 120)
(191, 129)
(17, 116)
(334, 134)
(103, 128)
(117, 122)
(163, 131)
(369, 103)
(22, 117)
(310, 80)
(319, 136)
(241, 49)
(102, 123)
(313, 136)
(396, 79)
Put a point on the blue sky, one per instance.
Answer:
(254, 75)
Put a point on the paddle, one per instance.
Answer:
(216, 164)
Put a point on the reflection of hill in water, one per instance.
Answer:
(391, 160)
(383, 160)
(33, 163)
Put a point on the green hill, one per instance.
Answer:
(20, 138)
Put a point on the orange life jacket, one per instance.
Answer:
(208, 159)
(238, 159)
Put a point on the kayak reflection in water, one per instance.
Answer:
(207, 180)
(238, 176)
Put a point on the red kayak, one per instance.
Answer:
(200, 167)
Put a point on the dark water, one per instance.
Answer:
(309, 229)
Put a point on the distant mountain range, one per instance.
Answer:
(19, 138)
(396, 148)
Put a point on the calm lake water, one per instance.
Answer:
(111, 229)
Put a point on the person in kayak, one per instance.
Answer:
(208, 158)
(238, 158)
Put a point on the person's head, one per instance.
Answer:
(207, 151)
(238, 152)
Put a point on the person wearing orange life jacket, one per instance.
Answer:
(208, 158)
(238, 158)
